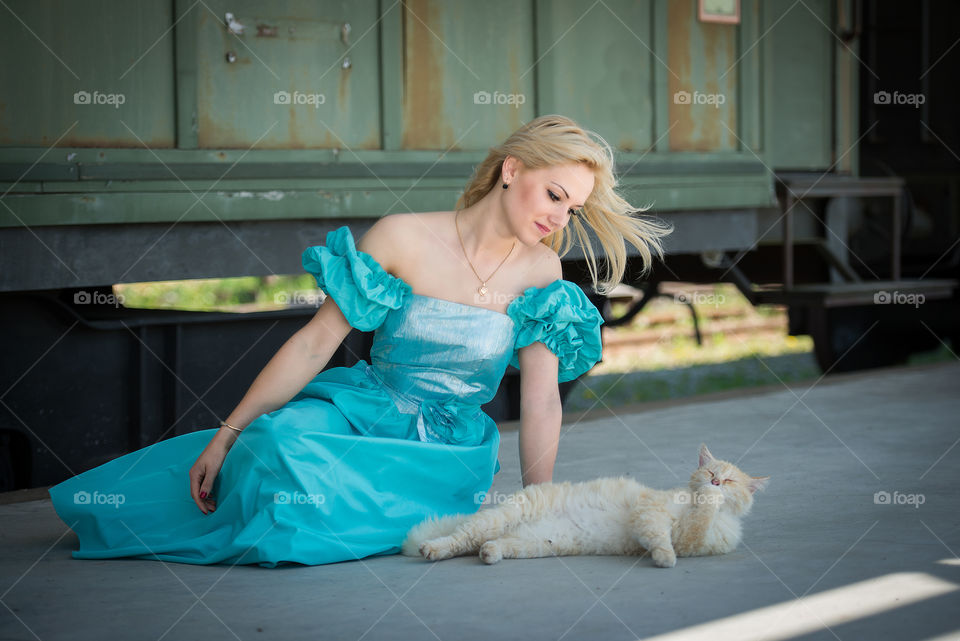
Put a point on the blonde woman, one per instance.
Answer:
(316, 466)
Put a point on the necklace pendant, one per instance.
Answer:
(483, 290)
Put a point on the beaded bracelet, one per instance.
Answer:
(235, 429)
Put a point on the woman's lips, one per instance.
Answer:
(542, 229)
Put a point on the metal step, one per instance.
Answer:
(880, 292)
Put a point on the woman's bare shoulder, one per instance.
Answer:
(381, 242)
(395, 238)
(546, 266)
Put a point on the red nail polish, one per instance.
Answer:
(203, 495)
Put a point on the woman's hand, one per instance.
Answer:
(204, 471)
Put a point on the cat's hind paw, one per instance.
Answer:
(436, 550)
(490, 552)
(663, 558)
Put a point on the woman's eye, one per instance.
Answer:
(555, 198)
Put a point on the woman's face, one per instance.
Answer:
(539, 201)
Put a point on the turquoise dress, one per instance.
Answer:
(361, 454)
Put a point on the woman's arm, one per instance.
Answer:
(290, 369)
(540, 413)
(310, 349)
(294, 365)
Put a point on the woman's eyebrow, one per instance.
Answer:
(565, 192)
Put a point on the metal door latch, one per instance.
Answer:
(232, 25)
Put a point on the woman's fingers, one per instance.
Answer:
(202, 476)
(200, 483)
(206, 487)
(195, 480)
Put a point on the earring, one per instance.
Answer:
(504, 185)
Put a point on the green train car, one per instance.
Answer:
(797, 150)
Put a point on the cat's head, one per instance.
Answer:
(714, 477)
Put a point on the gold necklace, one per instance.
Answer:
(483, 282)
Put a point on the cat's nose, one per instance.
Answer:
(715, 481)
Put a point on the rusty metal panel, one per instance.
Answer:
(288, 75)
(595, 64)
(468, 76)
(702, 81)
(86, 74)
(798, 56)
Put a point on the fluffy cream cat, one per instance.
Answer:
(604, 516)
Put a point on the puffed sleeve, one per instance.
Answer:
(561, 317)
(363, 290)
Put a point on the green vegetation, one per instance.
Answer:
(246, 294)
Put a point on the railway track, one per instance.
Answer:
(719, 310)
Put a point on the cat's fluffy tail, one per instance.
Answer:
(430, 528)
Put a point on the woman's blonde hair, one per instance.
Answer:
(555, 140)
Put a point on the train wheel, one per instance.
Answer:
(847, 339)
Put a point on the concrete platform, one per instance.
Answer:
(821, 558)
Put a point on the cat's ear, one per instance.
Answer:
(705, 455)
(757, 483)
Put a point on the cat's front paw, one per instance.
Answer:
(664, 558)
(436, 549)
(490, 552)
